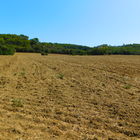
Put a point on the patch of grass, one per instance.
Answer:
(127, 86)
(22, 73)
(17, 102)
(60, 76)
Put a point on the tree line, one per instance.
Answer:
(11, 43)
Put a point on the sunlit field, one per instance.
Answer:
(69, 97)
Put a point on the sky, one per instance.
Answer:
(84, 22)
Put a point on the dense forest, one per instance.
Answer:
(11, 43)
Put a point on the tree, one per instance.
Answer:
(34, 41)
(24, 37)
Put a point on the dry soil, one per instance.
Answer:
(60, 97)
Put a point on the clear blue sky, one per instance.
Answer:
(85, 22)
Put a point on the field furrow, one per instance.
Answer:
(69, 97)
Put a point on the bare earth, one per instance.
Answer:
(59, 97)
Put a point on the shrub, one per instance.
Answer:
(44, 53)
(17, 103)
(60, 76)
(7, 50)
(128, 86)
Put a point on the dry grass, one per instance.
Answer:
(69, 97)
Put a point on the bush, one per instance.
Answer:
(60, 76)
(17, 103)
(44, 53)
(7, 50)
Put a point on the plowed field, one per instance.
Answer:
(60, 97)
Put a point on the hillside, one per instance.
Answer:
(11, 43)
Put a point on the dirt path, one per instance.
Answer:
(69, 97)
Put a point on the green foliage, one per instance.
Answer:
(132, 49)
(9, 43)
(34, 41)
(70, 49)
(60, 76)
(22, 73)
(24, 37)
(2, 42)
(127, 86)
(6, 50)
(44, 53)
(14, 42)
(17, 103)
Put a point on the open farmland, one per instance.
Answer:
(69, 97)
